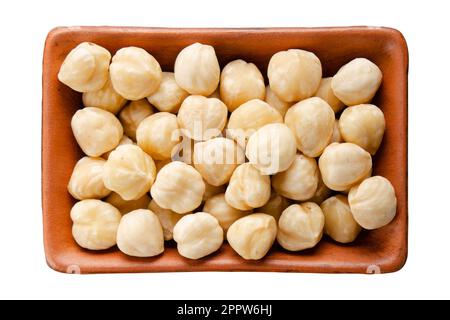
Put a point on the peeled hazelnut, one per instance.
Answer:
(129, 171)
(211, 191)
(252, 236)
(339, 222)
(140, 234)
(299, 181)
(167, 218)
(326, 93)
(85, 68)
(300, 226)
(373, 203)
(105, 98)
(336, 136)
(342, 165)
(125, 206)
(97, 131)
(248, 188)
(363, 125)
(322, 192)
(124, 141)
(135, 74)
(312, 121)
(197, 69)
(178, 187)
(169, 96)
(357, 81)
(95, 224)
(133, 114)
(275, 102)
(240, 82)
(86, 181)
(294, 74)
(272, 148)
(197, 235)
(275, 206)
(202, 118)
(215, 94)
(158, 135)
(216, 159)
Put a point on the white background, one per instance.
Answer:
(23, 28)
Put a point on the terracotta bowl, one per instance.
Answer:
(383, 250)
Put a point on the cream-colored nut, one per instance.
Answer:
(342, 165)
(135, 73)
(106, 98)
(97, 131)
(95, 224)
(129, 171)
(326, 93)
(240, 82)
(178, 187)
(184, 151)
(363, 125)
(86, 181)
(158, 135)
(339, 222)
(312, 121)
(125, 206)
(294, 74)
(124, 141)
(198, 235)
(169, 96)
(133, 114)
(197, 69)
(249, 117)
(253, 236)
(299, 181)
(224, 213)
(211, 191)
(272, 148)
(357, 81)
(140, 234)
(336, 136)
(215, 94)
(275, 102)
(300, 226)
(373, 203)
(167, 218)
(248, 188)
(202, 118)
(85, 68)
(275, 206)
(322, 192)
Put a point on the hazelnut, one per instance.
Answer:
(275, 102)
(326, 93)
(211, 191)
(125, 206)
(167, 218)
(124, 141)
(322, 192)
(275, 206)
(169, 96)
(132, 115)
(336, 136)
(105, 98)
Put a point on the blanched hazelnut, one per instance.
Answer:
(342, 165)
(129, 171)
(240, 82)
(97, 131)
(202, 118)
(215, 94)
(211, 191)
(184, 151)
(216, 159)
(197, 235)
(197, 69)
(86, 181)
(363, 125)
(248, 188)
(167, 218)
(140, 234)
(135, 73)
(95, 224)
(275, 206)
(326, 93)
(169, 96)
(357, 81)
(299, 181)
(222, 211)
(125, 206)
(312, 121)
(85, 68)
(294, 74)
(252, 236)
(158, 135)
(272, 148)
(249, 117)
(373, 202)
(275, 102)
(300, 226)
(178, 187)
(124, 141)
(339, 222)
(106, 98)
(336, 136)
(322, 192)
(133, 114)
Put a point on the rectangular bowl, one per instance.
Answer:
(379, 251)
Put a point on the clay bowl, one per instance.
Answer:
(383, 250)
